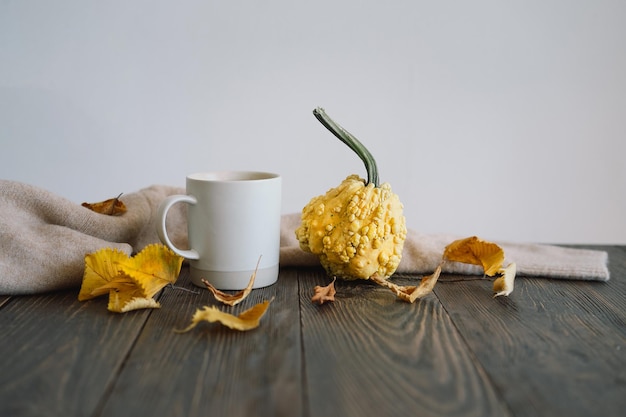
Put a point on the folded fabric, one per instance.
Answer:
(423, 253)
(44, 239)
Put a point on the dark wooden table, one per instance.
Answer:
(553, 348)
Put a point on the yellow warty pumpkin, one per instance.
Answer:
(357, 229)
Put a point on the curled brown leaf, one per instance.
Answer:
(233, 299)
(411, 293)
(323, 294)
(110, 207)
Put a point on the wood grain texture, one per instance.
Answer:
(370, 354)
(553, 348)
(4, 299)
(213, 370)
(58, 355)
(611, 298)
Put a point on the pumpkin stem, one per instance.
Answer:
(352, 142)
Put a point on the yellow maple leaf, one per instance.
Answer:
(247, 320)
(130, 282)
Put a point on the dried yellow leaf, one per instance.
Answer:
(123, 303)
(475, 251)
(247, 320)
(490, 256)
(130, 282)
(505, 283)
(101, 273)
(152, 268)
(233, 299)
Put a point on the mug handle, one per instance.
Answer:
(160, 226)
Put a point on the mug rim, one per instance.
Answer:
(232, 176)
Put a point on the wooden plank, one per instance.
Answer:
(59, 355)
(4, 299)
(371, 354)
(553, 347)
(611, 297)
(213, 370)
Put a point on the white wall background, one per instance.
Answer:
(505, 119)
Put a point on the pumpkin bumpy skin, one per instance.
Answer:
(356, 230)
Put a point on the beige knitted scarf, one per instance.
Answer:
(44, 239)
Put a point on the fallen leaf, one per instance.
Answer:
(233, 299)
(323, 294)
(152, 268)
(411, 293)
(130, 282)
(471, 250)
(490, 256)
(505, 283)
(426, 286)
(111, 207)
(122, 302)
(247, 320)
(475, 251)
(101, 273)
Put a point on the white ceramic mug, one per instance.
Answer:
(233, 221)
